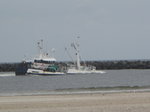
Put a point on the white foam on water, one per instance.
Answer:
(7, 74)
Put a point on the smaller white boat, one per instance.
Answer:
(77, 68)
(84, 71)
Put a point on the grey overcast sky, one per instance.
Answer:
(108, 29)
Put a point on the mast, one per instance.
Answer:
(76, 47)
(78, 54)
(78, 59)
(40, 47)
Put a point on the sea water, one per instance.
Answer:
(11, 84)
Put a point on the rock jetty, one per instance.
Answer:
(100, 65)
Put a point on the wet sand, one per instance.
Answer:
(111, 102)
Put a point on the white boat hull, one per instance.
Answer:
(76, 71)
(41, 72)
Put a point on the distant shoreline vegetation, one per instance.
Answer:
(100, 65)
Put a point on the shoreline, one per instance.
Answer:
(109, 90)
(93, 102)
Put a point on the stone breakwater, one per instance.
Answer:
(8, 67)
(121, 64)
(100, 65)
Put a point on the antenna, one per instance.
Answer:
(40, 48)
(41, 43)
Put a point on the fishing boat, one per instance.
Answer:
(77, 68)
(43, 64)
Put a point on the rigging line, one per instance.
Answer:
(69, 55)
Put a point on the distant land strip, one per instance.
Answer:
(100, 65)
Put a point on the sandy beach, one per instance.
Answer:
(111, 102)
